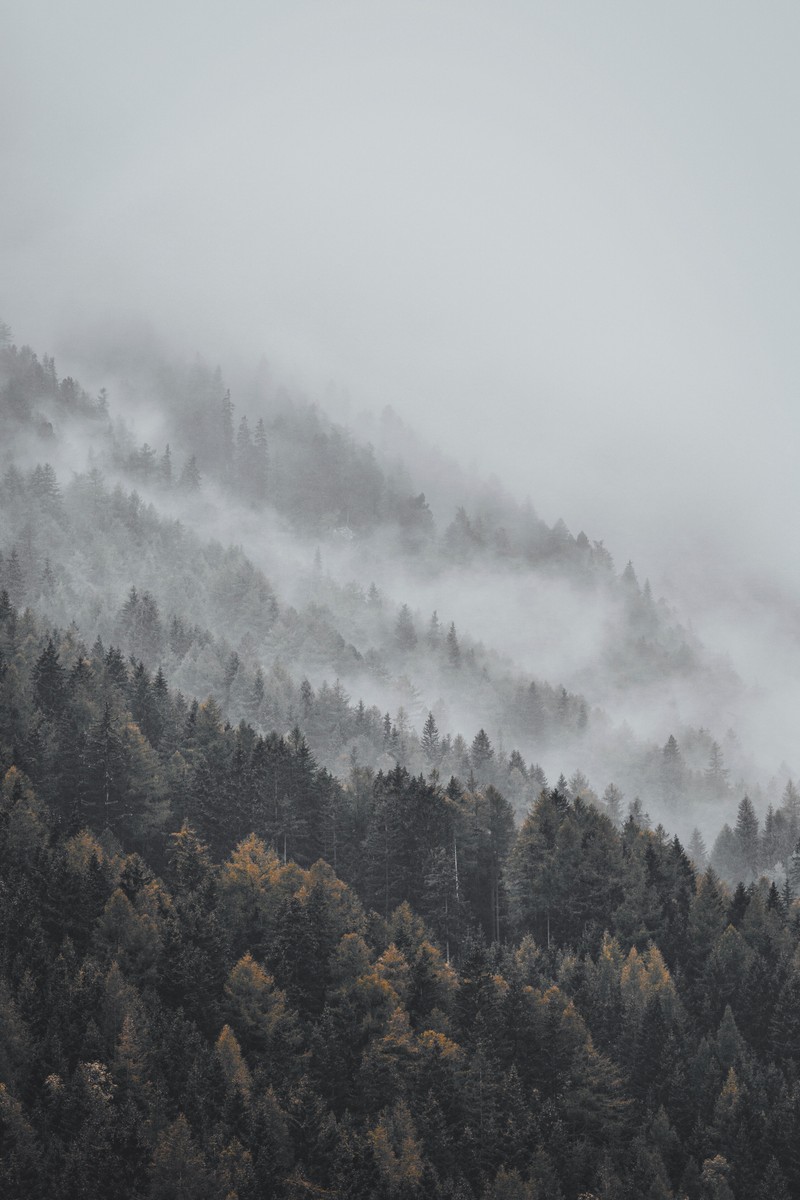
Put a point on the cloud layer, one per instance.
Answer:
(559, 239)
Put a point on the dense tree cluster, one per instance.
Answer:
(31, 392)
(68, 548)
(75, 548)
(746, 850)
(225, 974)
(258, 939)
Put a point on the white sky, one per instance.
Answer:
(560, 238)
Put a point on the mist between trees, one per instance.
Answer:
(472, 933)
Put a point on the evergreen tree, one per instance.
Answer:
(190, 475)
(226, 441)
(243, 458)
(260, 469)
(790, 807)
(613, 798)
(14, 582)
(747, 836)
(48, 680)
(453, 649)
(672, 772)
(716, 773)
(405, 633)
(481, 752)
(106, 763)
(165, 468)
(430, 739)
(697, 850)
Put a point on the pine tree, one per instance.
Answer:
(260, 463)
(481, 752)
(434, 633)
(773, 1185)
(190, 475)
(106, 764)
(793, 869)
(747, 836)
(790, 807)
(178, 1170)
(672, 772)
(453, 649)
(139, 623)
(706, 922)
(14, 582)
(115, 670)
(49, 683)
(243, 458)
(165, 468)
(716, 773)
(613, 797)
(430, 739)
(48, 579)
(697, 850)
(257, 693)
(44, 486)
(534, 711)
(404, 632)
(226, 443)
(629, 578)
(784, 1031)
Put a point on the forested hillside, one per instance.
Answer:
(308, 888)
(354, 590)
(251, 980)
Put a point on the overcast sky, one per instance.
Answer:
(560, 238)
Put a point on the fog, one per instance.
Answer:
(560, 241)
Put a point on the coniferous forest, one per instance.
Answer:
(309, 889)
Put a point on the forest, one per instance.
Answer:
(468, 936)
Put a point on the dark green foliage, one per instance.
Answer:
(565, 871)
(408, 817)
(193, 1004)
(49, 684)
(245, 1027)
